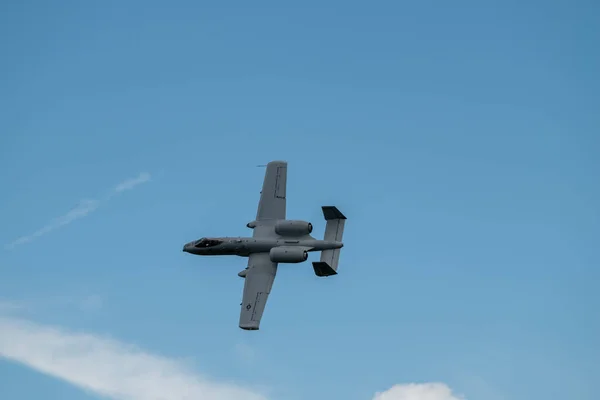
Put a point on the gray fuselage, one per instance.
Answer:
(244, 246)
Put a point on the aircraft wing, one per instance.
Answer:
(257, 286)
(272, 198)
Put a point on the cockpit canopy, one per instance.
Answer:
(207, 242)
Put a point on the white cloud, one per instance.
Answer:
(418, 391)
(84, 208)
(119, 371)
(107, 367)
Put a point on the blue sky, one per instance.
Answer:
(460, 139)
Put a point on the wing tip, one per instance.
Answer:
(249, 327)
(277, 162)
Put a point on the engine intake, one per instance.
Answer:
(288, 254)
(293, 228)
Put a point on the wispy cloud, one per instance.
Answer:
(86, 303)
(245, 352)
(418, 391)
(10, 306)
(91, 303)
(131, 183)
(84, 208)
(108, 367)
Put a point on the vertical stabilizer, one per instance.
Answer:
(334, 231)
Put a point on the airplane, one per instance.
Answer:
(274, 240)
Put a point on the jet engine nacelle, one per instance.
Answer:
(288, 254)
(293, 228)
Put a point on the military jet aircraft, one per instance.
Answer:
(274, 240)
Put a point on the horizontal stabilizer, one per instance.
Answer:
(323, 269)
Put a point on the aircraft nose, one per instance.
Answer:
(185, 247)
